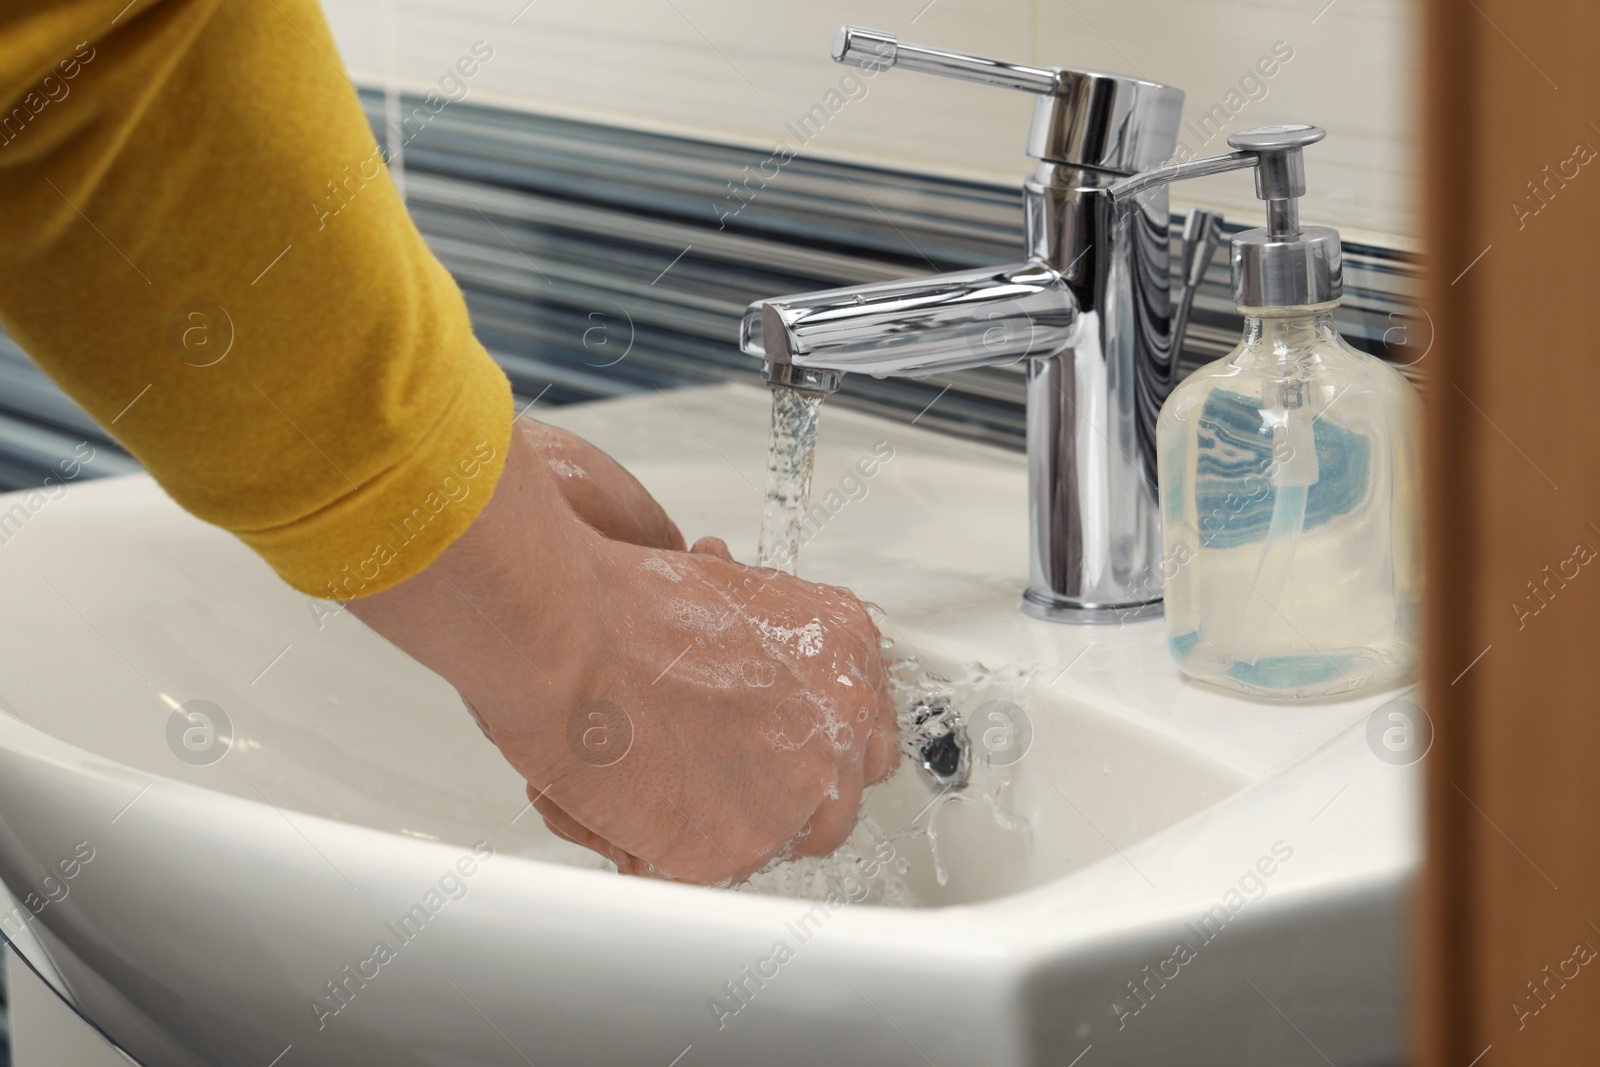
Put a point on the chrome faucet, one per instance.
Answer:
(1089, 310)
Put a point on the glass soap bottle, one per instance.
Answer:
(1288, 473)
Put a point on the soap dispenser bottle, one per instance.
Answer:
(1288, 470)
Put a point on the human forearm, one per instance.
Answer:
(310, 383)
(503, 611)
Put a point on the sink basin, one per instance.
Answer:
(301, 847)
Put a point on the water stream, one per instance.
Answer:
(791, 450)
(899, 831)
(871, 866)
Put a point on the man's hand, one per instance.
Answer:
(679, 713)
(601, 490)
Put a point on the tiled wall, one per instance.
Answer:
(740, 70)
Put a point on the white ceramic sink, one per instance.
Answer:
(228, 888)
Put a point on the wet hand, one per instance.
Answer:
(679, 713)
(600, 490)
(741, 714)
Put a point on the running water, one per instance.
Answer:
(880, 861)
(940, 745)
(866, 869)
(993, 701)
(791, 450)
(870, 867)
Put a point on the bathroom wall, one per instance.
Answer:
(744, 72)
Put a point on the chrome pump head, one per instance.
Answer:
(1282, 264)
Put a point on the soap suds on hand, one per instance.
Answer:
(662, 567)
(803, 640)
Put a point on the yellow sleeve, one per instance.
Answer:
(200, 243)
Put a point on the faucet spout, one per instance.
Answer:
(914, 327)
(1089, 311)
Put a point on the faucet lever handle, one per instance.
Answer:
(876, 50)
(1081, 118)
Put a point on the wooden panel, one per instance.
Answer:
(1512, 187)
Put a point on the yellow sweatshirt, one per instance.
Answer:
(306, 379)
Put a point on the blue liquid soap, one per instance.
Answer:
(1289, 508)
